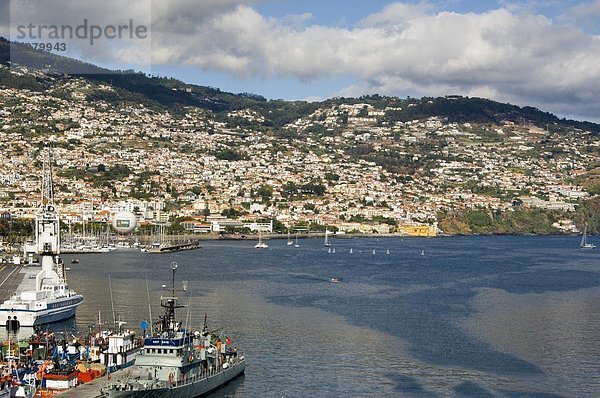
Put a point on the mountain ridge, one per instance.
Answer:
(174, 93)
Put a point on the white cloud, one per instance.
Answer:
(516, 56)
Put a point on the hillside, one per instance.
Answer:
(173, 93)
(471, 165)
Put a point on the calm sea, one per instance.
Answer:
(471, 317)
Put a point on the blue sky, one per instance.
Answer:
(535, 52)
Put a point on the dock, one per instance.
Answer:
(90, 389)
(11, 277)
(174, 248)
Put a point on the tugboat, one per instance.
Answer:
(177, 363)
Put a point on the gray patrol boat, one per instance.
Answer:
(176, 363)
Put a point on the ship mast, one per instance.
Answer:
(47, 230)
(167, 322)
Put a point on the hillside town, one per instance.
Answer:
(347, 167)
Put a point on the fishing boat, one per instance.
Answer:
(52, 300)
(177, 363)
(584, 243)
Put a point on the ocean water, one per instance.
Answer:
(472, 317)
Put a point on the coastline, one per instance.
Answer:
(283, 236)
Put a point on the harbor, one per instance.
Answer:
(38, 360)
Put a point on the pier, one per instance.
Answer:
(11, 277)
(91, 389)
(174, 248)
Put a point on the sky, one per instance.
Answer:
(537, 53)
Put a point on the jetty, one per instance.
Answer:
(174, 248)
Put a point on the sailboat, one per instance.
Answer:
(333, 251)
(329, 251)
(289, 241)
(296, 245)
(351, 251)
(387, 251)
(260, 244)
(584, 243)
(373, 251)
(422, 252)
(327, 242)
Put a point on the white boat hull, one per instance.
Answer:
(28, 318)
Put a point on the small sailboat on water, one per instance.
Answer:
(387, 251)
(351, 251)
(327, 242)
(584, 243)
(289, 241)
(296, 245)
(422, 252)
(260, 244)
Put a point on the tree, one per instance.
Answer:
(265, 192)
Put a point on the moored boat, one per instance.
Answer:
(52, 300)
(177, 363)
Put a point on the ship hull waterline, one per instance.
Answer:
(27, 318)
(195, 389)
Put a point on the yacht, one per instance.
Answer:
(52, 300)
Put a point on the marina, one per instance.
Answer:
(286, 299)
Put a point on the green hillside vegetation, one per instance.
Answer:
(172, 93)
(520, 221)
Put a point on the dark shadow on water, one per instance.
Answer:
(518, 394)
(426, 321)
(469, 389)
(408, 386)
(544, 280)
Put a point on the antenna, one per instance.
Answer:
(187, 317)
(149, 307)
(112, 303)
(174, 269)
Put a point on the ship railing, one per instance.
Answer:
(208, 373)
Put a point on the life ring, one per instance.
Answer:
(171, 377)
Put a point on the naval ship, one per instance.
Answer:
(52, 300)
(177, 363)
